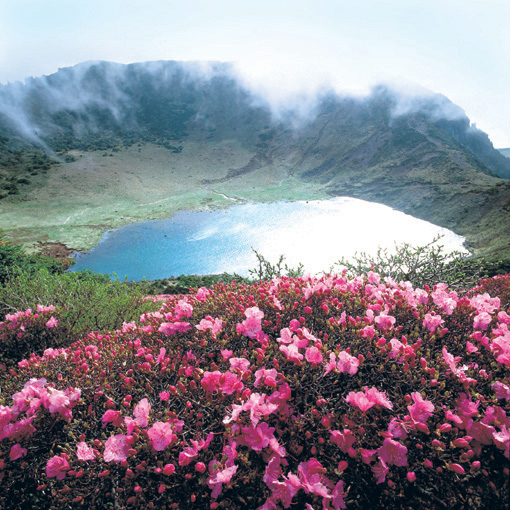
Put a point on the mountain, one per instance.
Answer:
(419, 154)
(505, 152)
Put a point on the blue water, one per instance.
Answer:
(315, 233)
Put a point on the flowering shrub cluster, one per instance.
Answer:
(28, 331)
(310, 393)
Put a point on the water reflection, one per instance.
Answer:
(316, 233)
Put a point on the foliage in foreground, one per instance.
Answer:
(317, 393)
(13, 258)
(85, 301)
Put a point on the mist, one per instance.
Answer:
(92, 96)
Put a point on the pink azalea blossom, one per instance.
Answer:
(378, 397)
(347, 363)
(313, 355)
(114, 417)
(215, 325)
(482, 321)
(312, 478)
(292, 352)
(502, 440)
(161, 434)
(338, 495)
(172, 328)
(344, 440)
(202, 294)
(17, 452)
(359, 399)
(263, 374)
(85, 452)
(253, 323)
(220, 477)
(141, 412)
(116, 449)
(241, 364)
(52, 322)
(385, 322)
(432, 321)
(56, 467)
(227, 382)
(501, 390)
(380, 471)
(257, 437)
(421, 410)
(393, 452)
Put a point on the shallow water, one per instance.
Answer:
(316, 233)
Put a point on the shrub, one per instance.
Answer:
(312, 392)
(422, 265)
(86, 301)
(13, 259)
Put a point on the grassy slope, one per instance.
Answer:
(77, 202)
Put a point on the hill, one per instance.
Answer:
(99, 144)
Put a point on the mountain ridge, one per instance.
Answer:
(420, 155)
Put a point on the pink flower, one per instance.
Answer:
(202, 294)
(432, 321)
(347, 363)
(17, 451)
(482, 321)
(338, 495)
(172, 328)
(385, 321)
(292, 352)
(141, 412)
(215, 325)
(313, 355)
(57, 401)
(421, 410)
(262, 375)
(56, 467)
(378, 397)
(502, 440)
(85, 452)
(380, 471)
(501, 390)
(359, 399)
(52, 323)
(257, 437)
(161, 434)
(344, 440)
(312, 479)
(115, 417)
(227, 382)
(225, 354)
(220, 476)
(190, 452)
(116, 448)
(392, 452)
(240, 364)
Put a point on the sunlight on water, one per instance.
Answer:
(314, 233)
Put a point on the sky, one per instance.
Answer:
(459, 48)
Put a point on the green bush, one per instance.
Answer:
(87, 301)
(423, 265)
(13, 258)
